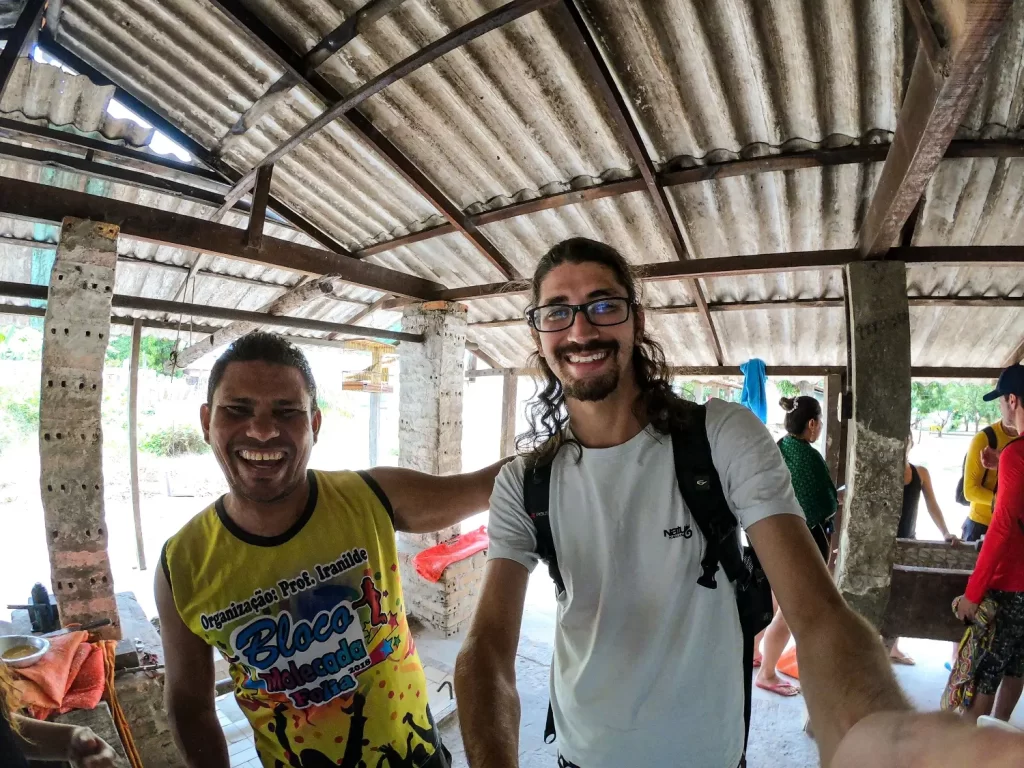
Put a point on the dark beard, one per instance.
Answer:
(590, 390)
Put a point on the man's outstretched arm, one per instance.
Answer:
(423, 503)
(485, 673)
(845, 672)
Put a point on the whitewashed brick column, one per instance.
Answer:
(76, 333)
(430, 440)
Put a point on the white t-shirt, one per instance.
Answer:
(647, 667)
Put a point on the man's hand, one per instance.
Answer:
(990, 457)
(965, 609)
(951, 539)
(87, 750)
(934, 740)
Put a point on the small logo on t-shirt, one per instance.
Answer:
(678, 533)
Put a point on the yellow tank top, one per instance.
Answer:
(313, 625)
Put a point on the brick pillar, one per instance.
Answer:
(76, 329)
(430, 440)
(879, 325)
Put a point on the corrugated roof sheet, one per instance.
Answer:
(10, 10)
(511, 117)
(46, 95)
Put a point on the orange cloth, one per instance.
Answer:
(430, 563)
(66, 678)
(787, 663)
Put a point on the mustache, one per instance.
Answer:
(598, 345)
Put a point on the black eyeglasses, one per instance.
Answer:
(611, 310)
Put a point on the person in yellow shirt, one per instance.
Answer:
(979, 482)
(293, 577)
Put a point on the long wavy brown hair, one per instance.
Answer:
(656, 404)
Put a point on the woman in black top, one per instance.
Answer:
(22, 738)
(916, 480)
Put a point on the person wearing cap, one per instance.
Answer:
(981, 474)
(999, 572)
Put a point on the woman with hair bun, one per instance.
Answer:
(817, 496)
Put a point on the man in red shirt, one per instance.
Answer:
(999, 572)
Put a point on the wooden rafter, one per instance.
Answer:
(20, 40)
(799, 261)
(149, 163)
(497, 18)
(40, 202)
(787, 371)
(287, 302)
(50, 45)
(628, 131)
(987, 302)
(938, 96)
(274, 48)
(347, 31)
(195, 329)
(141, 304)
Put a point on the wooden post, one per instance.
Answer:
(833, 424)
(374, 426)
(509, 401)
(133, 441)
(258, 212)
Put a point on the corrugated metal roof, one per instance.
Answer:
(43, 94)
(709, 82)
(511, 117)
(10, 10)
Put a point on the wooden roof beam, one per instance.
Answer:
(346, 32)
(49, 44)
(601, 76)
(497, 18)
(141, 304)
(938, 96)
(800, 261)
(39, 202)
(277, 49)
(288, 302)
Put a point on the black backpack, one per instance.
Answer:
(992, 443)
(702, 492)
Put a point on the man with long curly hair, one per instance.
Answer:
(647, 661)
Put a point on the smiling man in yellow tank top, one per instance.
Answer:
(293, 577)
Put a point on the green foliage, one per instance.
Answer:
(24, 414)
(174, 441)
(21, 344)
(951, 405)
(153, 352)
(787, 388)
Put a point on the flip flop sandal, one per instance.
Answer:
(781, 688)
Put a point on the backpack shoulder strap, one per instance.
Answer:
(990, 433)
(703, 494)
(536, 492)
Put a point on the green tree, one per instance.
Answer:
(969, 406)
(153, 351)
(787, 388)
(930, 400)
